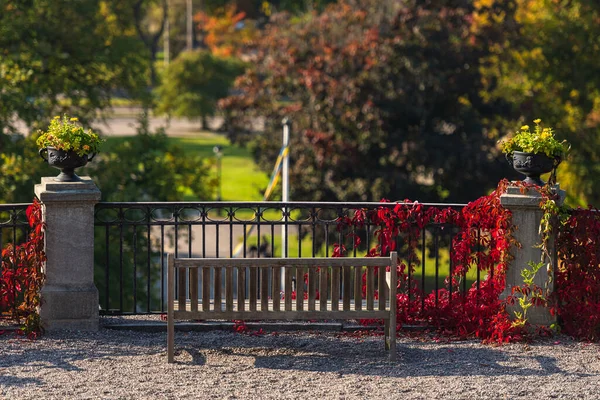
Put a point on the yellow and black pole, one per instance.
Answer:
(277, 171)
(285, 190)
(285, 184)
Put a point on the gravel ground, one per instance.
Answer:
(112, 364)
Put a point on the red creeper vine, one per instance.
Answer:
(21, 276)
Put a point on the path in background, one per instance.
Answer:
(122, 121)
(126, 125)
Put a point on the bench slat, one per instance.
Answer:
(229, 288)
(193, 288)
(289, 273)
(335, 288)
(358, 287)
(217, 286)
(370, 287)
(347, 288)
(241, 291)
(276, 295)
(323, 288)
(205, 288)
(312, 288)
(381, 287)
(264, 287)
(181, 292)
(299, 288)
(253, 283)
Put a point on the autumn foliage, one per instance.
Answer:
(227, 32)
(481, 238)
(21, 276)
(383, 104)
(577, 301)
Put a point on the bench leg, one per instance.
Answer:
(170, 339)
(170, 308)
(392, 340)
(386, 334)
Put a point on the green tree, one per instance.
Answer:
(384, 104)
(548, 68)
(20, 168)
(142, 11)
(144, 167)
(59, 55)
(194, 82)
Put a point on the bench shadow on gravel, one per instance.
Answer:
(368, 357)
(15, 381)
(302, 352)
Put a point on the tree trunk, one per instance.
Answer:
(149, 39)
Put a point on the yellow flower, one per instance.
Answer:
(537, 121)
(545, 135)
(525, 128)
(86, 147)
(56, 117)
(74, 119)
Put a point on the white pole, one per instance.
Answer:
(284, 179)
(285, 191)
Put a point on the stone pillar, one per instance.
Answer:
(526, 217)
(69, 296)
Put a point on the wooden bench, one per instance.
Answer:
(327, 288)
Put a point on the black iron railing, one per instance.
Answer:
(14, 226)
(132, 240)
(14, 229)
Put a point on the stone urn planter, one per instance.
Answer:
(532, 165)
(534, 152)
(66, 162)
(66, 145)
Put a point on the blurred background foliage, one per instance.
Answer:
(389, 98)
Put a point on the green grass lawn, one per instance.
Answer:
(241, 178)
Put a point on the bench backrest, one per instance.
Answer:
(229, 288)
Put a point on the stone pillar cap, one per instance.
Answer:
(81, 191)
(517, 196)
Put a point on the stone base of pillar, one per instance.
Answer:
(526, 216)
(69, 299)
(536, 316)
(72, 308)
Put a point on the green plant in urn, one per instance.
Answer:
(67, 146)
(534, 152)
